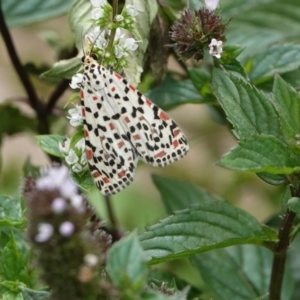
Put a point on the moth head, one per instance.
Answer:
(88, 57)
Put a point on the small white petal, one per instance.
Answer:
(83, 159)
(64, 146)
(119, 51)
(76, 81)
(131, 10)
(58, 205)
(91, 260)
(77, 202)
(45, 232)
(80, 145)
(119, 18)
(215, 48)
(76, 116)
(71, 158)
(130, 44)
(77, 168)
(66, 228)
(119, 35)
(45, 183)
(97, 13)
(98, 2)
(211, 4)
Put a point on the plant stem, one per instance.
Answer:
(113, 31)
(280, 252)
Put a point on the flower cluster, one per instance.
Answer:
(107, 28)
(197, 31)
(70, 252)
(75, 156)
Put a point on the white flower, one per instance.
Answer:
(77, 168)
(83, 159)
(119, 18)
(119, 35)
(77, 202)
(97, 13)
(58, 205)
(131, 10)
(96, 3)
(215, 48)
(91, 260)
(45, 232)
(66, 228)
(119, 51)
(77, 80)
(80, 145)
(71, 158)
(211, 4)
(130, 44)
(64, 146)
(57, 178)
(75, 116)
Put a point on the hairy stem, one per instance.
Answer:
(113, 31)
(281, 250)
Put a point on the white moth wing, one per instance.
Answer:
(111, 157)
(156, 137)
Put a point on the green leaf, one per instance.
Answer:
(11, 296)
(287, 104)
(293, 263)
(50, 144)
(294, 205)
(126, 264)
(63, 69)
(260, 23)
(11, 212)
(29, 294)
(20, 13)
(14, 263)
(147, 11)
(274, 179)
(262, 153)
(201, 80)
(249, 110)
(19, 122)
(239, 273)
(171, 93)
(209, 225)
(177, 195)
(84, 180)
(230, 53)
(277, 59)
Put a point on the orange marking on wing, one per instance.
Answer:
(176, 132)
(81, 94)
(95, 98)
(148, 102)
(89, 154)
(132, 87)
(121, 174)
(83, 111)
(113, 89)
(137, 137)
(160, 154)
(118, 76)
(175, 143)
(106, 180)
(111, 126)
(141, 118)
(96, 174)
(120, 145)
(163, 116)
(127, 120)
(102, 138)
(86, 133)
